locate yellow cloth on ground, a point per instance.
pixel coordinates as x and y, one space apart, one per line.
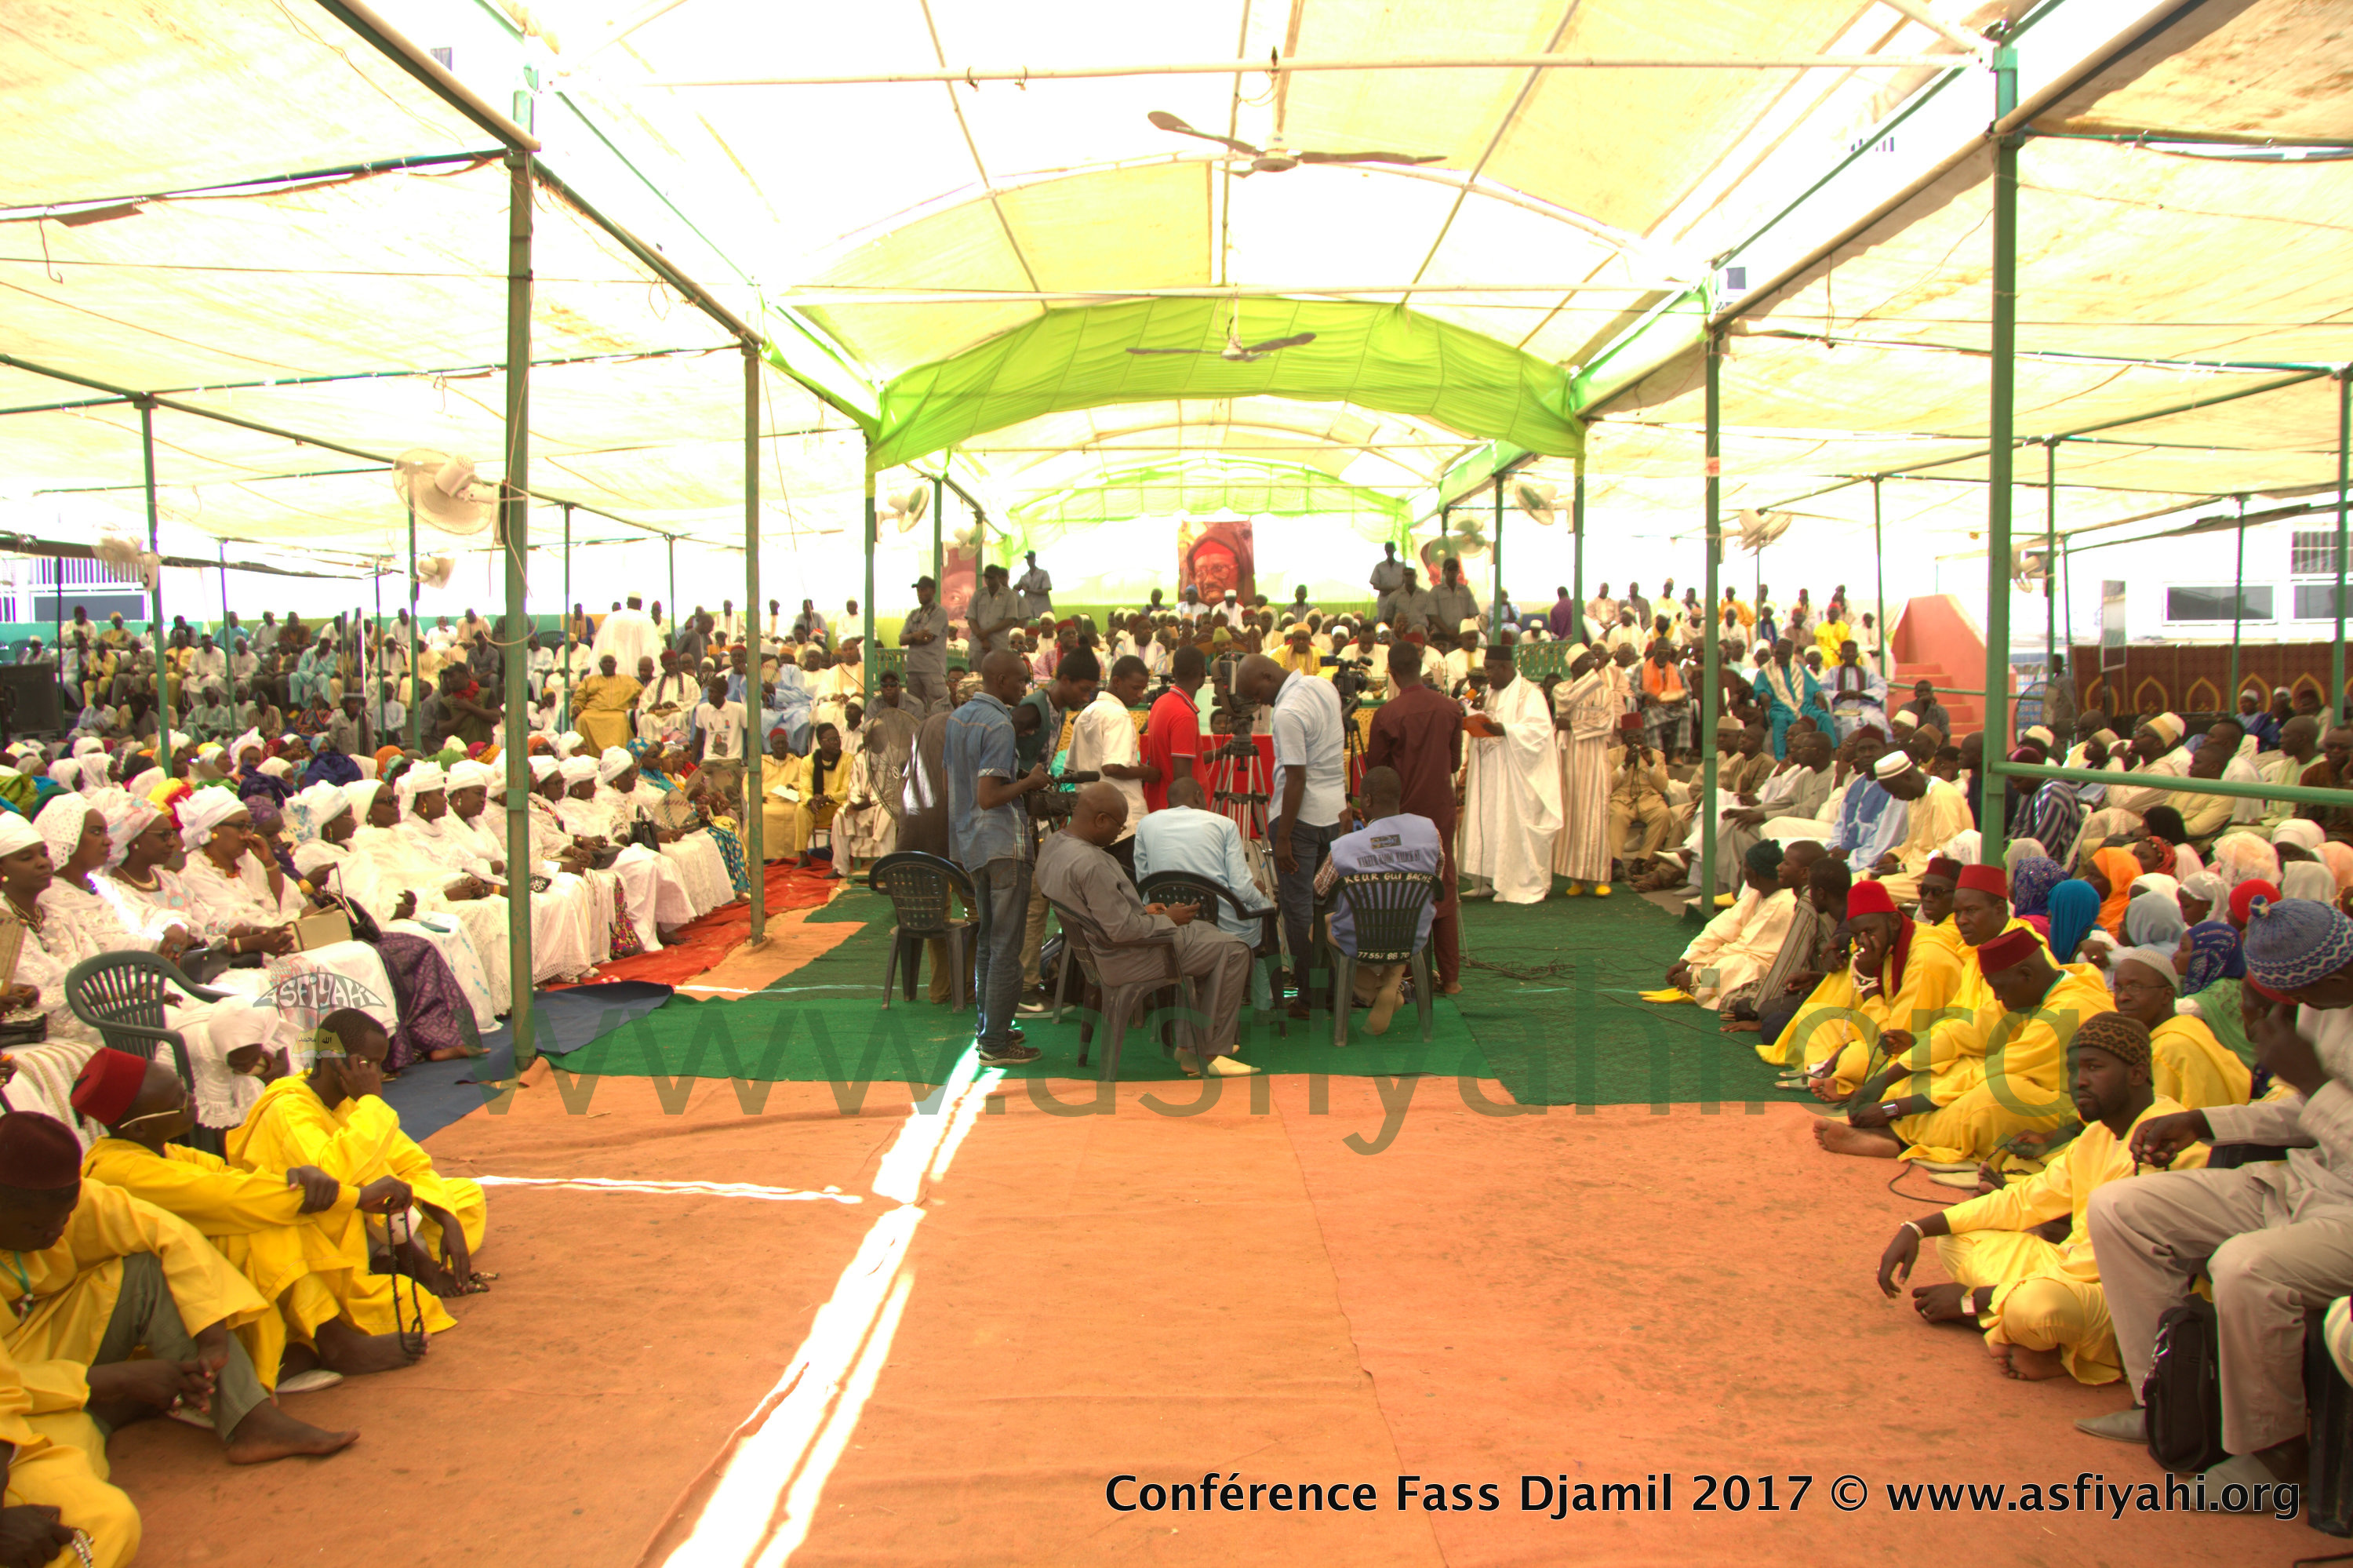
74 1286
2189 1066
61 1462
357 1143
2047 1297
2021 1085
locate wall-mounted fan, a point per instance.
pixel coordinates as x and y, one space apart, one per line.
1536 500
907 508
1276 159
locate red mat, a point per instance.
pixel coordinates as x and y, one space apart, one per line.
704 943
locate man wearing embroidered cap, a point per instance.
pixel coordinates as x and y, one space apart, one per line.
2040 1305
2275 1238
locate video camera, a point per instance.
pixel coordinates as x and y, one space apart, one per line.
1056 803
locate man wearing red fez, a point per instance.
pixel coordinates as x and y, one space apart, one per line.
98 1274
1855 1031
2007 1072
295 1236
1937 885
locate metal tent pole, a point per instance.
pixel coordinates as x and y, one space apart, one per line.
1879 576
224 582
673 579
2344 437
563 633
2050 563
756 859
415 686
939 556
155 614
2000 458
1495 593
1712 650
1577 561
866 648
2238 608
514 526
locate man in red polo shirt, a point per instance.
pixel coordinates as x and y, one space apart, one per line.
1420 733
1172 732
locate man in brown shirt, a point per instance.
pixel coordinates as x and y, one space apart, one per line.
2333 771
1419 734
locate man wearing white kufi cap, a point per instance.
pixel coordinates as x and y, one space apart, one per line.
656 896
1934 812
2157 752
702 869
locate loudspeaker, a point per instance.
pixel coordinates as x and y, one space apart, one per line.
33 700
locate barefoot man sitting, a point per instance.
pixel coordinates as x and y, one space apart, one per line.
333 1116
97 1273
296 1238
2040 1303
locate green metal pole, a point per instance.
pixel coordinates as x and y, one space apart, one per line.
1576 562
1879 576
754 747
866 648
2000 458
155 614
1711 652
514 526
2050 564
2238 608
939 555
1496 594
2344 439
563 626
673 579
415 686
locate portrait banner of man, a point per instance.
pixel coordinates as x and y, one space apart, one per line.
1215 556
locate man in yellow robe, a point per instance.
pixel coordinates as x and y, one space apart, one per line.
602 705
333 1116
2039 1302
297 1238
98 1274
57 1485
2019 1088
1900 981
810 790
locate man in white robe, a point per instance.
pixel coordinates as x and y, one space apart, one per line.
628 635
1739 944
1511 797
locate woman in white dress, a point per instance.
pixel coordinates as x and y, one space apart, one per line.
657 897
700 868
567 917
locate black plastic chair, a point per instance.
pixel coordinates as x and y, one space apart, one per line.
121 995
1210 899
1385 908
1083 940
918 886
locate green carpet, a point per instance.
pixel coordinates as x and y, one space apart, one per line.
1548 1007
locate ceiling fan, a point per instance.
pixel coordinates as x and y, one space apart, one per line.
1236 351
1275 160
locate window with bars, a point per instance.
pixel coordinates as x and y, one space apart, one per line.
2312 553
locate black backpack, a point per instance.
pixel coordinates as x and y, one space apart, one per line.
2183 1395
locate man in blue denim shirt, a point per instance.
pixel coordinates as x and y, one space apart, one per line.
990 837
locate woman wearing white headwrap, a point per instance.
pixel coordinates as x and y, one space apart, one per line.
2308 879
561 916
554 852
2243 857
450 879
1966 846
240 898
700 868
402 893
657 898
2303 833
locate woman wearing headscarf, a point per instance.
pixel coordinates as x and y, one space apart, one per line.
2075 906
2164 824
2339 858
658 902
2308 879
687 849
2153 918
2032 879
611 933
2241 857
2213 974
403 890
2112 873
2304 833
2200 897
2189 1064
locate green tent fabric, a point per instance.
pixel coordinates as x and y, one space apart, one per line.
1247 489
1378 356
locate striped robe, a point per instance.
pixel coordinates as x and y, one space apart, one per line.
1591 703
